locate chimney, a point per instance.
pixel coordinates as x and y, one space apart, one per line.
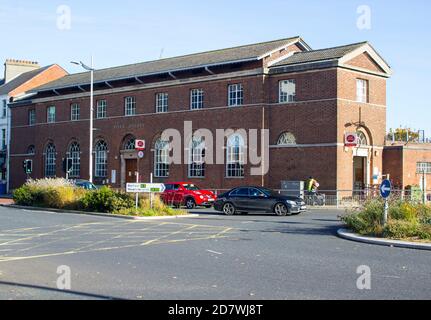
13 68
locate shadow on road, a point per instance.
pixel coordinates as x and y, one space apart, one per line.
319 231
64 292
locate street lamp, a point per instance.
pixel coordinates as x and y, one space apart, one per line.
91 69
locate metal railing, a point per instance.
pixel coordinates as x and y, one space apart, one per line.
350 198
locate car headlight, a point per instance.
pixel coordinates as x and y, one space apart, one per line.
202 197
292 203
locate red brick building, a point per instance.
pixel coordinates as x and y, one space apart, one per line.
308 99
20 76
409 164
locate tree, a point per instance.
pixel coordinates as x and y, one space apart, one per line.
403 134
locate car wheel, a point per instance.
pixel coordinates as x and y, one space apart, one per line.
281 209
190 204
229 209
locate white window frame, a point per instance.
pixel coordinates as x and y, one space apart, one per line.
31 117
235 95
101 159
4 109
75 112
50 160
3 139
196 167
162 102
129 106
129 144
423 166
75 155
285 96
50 116
196 99
101 109
161 159
286 139
235 156
362 90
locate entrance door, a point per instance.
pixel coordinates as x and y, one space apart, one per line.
131 169
359 173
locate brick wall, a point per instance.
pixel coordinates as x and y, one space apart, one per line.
325 104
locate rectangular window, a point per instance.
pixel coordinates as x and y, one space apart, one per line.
287 91
197 160
101 164
3 139
162 102
31 117
4 109
50 114
362 90
235 95
423 167
74 112
101 109
196 99
130 106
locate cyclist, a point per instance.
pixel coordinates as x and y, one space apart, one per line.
312 186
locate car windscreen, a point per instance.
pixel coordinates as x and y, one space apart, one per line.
269 192
190 187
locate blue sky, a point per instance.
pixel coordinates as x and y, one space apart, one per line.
128 31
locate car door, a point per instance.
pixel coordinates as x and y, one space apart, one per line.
239 197
258 200
177 194
166 195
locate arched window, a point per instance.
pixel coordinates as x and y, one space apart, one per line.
31 150
101 169
235 156
286 139
197 158
129 143
362 139
50 156
161 159
75 155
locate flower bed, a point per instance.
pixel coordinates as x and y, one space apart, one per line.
406 220
62 194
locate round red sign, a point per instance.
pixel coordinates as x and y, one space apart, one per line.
351 138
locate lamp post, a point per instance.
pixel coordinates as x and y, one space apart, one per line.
91 69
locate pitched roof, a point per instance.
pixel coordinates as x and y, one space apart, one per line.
21 79
319 55
197 60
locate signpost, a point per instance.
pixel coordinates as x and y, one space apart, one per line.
385 192
145 187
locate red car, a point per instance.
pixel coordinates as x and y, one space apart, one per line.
187 194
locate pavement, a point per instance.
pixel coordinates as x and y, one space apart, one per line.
210 257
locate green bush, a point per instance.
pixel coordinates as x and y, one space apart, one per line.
405 220
159 208
404 211
59 198
106 200
61 194
368 220
24 196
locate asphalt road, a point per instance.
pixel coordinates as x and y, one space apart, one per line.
210 257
